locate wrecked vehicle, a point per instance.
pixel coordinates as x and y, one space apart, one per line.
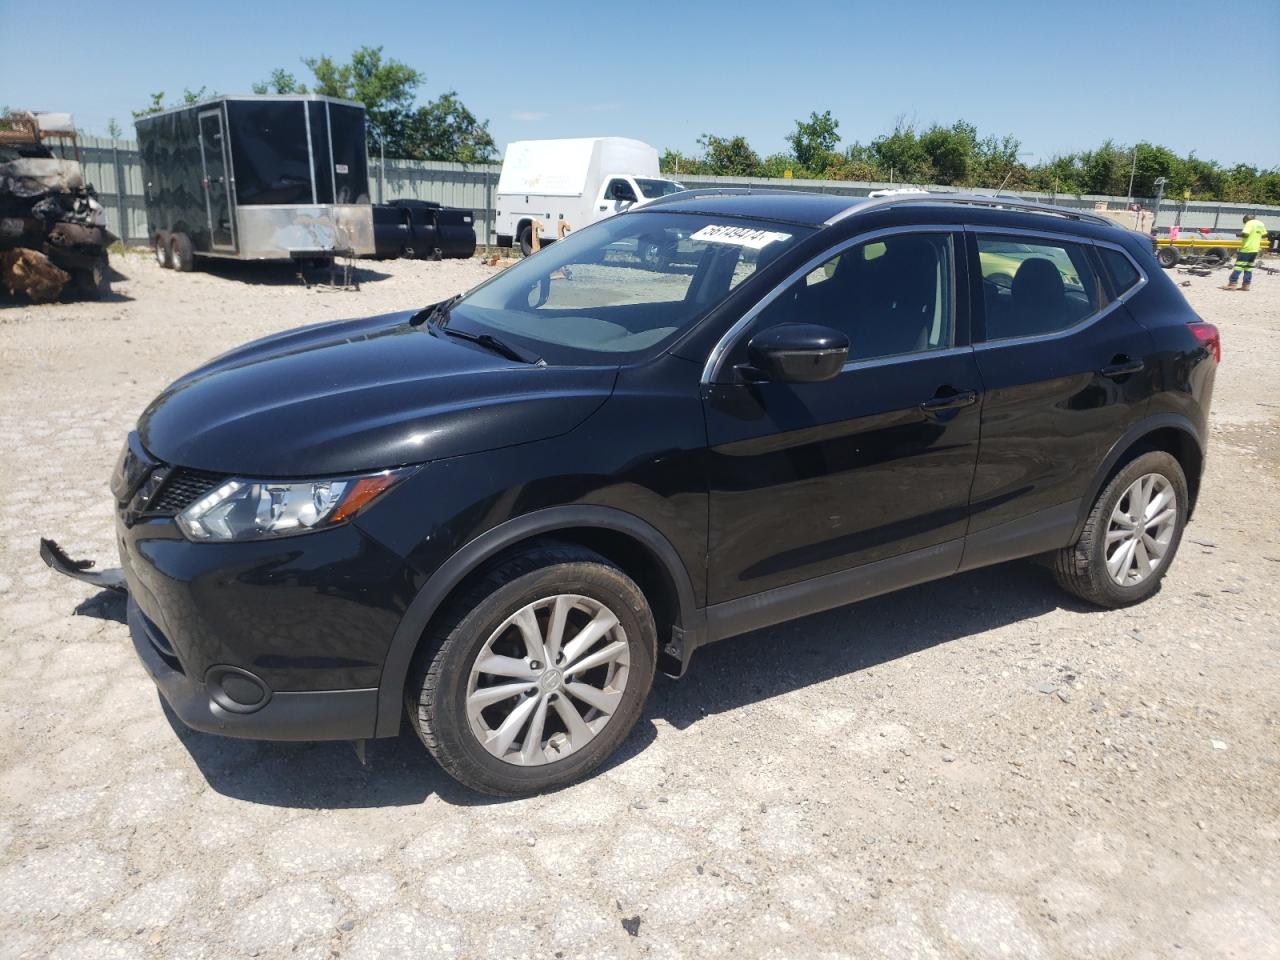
257 178
53 230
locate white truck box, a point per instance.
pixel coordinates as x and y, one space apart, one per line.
567 184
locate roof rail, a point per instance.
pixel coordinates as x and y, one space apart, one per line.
975 200
714 192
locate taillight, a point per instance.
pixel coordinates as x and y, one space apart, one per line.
1209 338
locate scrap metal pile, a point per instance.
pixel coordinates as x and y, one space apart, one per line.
53 234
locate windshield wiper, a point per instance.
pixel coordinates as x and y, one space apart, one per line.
490 342
437 312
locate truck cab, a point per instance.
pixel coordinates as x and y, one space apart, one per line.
622 191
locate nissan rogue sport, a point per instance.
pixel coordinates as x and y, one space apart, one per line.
497 516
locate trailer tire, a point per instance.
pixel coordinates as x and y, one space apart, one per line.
1216 256
526 241
161 247
1169 257
182 253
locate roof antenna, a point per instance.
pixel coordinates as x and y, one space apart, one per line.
1003 182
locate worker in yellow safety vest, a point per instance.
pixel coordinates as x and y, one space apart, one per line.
1250 246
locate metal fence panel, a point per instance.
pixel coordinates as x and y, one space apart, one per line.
108 165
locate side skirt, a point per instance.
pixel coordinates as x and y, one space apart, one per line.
1041 532
759 610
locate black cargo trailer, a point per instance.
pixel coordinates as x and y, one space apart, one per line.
257 178
423 228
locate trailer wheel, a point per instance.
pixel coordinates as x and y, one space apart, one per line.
182 254
161 247
1216 256
526 241
1169 257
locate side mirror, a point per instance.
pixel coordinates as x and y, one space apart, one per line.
797 353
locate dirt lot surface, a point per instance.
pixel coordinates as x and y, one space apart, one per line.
977 768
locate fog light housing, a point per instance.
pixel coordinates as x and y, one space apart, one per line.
236 690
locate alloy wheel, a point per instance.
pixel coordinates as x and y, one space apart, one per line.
1141 529
548 680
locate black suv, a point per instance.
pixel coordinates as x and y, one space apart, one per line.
499 515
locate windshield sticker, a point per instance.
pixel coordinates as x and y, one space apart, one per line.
739 236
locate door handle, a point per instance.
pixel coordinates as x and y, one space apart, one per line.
1122 366
960 398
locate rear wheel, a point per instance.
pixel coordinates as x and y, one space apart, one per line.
181 253
525 239
160 244
535 676
1169 257
1131 535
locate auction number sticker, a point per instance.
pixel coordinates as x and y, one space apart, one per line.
738 236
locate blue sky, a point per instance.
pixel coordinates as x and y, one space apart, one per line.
1061 76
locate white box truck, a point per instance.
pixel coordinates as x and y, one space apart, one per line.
567 184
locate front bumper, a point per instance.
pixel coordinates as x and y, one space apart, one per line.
298 715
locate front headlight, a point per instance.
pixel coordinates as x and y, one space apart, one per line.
241 509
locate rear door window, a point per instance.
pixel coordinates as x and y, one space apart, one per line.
1032 287
1120 269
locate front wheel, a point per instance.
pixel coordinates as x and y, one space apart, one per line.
535 676
1169 257
1131 535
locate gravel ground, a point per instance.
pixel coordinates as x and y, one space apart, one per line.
976 768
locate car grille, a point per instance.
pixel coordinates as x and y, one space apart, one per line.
182 488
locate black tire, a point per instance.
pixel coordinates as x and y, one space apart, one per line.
1082 567
525 239
92 283
1169 257
654 255
182 253
436 695
1216 256
160 246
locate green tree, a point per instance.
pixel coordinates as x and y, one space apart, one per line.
280 81
813 140
113 129
729 156
443 129
676 163
949 151
157 103
900 156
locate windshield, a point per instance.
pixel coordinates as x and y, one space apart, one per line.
653 189
623 286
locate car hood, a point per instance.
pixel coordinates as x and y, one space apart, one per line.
361 395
